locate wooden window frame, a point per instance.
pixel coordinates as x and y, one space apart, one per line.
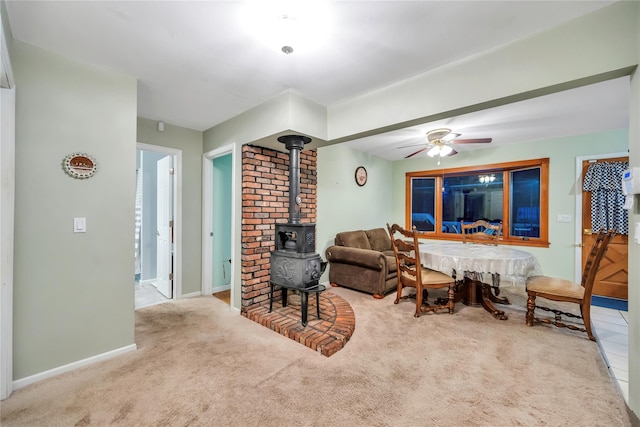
505 168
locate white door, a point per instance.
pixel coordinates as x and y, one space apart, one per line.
164 232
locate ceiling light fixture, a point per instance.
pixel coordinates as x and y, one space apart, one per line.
439 150
486 179
288 26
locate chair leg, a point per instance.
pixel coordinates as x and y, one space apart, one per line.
586 317
531 306
399 293
451 303
425 296
418 301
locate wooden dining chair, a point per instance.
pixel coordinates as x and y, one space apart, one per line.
562 290
412 274
481 231
485 233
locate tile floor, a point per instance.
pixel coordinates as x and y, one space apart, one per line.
147 294
611 330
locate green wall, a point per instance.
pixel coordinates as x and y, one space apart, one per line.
73 293
222 186
190 142
558 259
342 204
634 246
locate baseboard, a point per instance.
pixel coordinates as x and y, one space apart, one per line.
635 421
23 382
191 295
148 281
217 289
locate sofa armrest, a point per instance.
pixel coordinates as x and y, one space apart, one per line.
362 257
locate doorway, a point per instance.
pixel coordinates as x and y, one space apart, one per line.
611 282
218 223
156 227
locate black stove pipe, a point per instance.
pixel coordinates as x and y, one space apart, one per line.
294 143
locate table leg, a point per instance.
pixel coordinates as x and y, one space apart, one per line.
486 303
304 300
479 294
472 292
495 279
498 300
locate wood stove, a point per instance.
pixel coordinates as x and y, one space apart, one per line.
294 263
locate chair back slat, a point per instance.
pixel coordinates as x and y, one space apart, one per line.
405 247
480 232
592 264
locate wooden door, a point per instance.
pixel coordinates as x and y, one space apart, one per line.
612 277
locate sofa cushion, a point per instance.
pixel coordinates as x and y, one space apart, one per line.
353 239
391 264
379 239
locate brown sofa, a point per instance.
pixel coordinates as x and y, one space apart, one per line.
363 260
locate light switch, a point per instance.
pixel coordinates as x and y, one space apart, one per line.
563 218
79 225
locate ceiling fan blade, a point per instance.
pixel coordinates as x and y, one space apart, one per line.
413 145
416 152
472 141
453 152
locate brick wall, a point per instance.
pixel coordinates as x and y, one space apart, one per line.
265 202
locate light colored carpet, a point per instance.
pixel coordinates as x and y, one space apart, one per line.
200 364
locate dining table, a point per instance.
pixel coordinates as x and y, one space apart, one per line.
473 265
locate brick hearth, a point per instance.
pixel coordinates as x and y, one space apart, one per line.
265 202
326 335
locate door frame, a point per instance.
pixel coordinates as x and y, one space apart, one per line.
177 211
578 210
7 215
207 217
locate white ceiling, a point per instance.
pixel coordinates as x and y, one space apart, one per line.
197 66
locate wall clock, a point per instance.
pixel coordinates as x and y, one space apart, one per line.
80 165
361 176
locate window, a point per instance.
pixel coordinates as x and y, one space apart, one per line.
514 194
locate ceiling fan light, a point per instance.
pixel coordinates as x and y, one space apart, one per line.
449 137
433 151
445 150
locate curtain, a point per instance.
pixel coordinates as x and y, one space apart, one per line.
604 181
138 220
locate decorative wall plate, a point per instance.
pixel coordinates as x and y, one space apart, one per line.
80 165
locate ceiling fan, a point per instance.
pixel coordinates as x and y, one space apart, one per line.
439 143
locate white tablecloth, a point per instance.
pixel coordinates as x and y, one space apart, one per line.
512 264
